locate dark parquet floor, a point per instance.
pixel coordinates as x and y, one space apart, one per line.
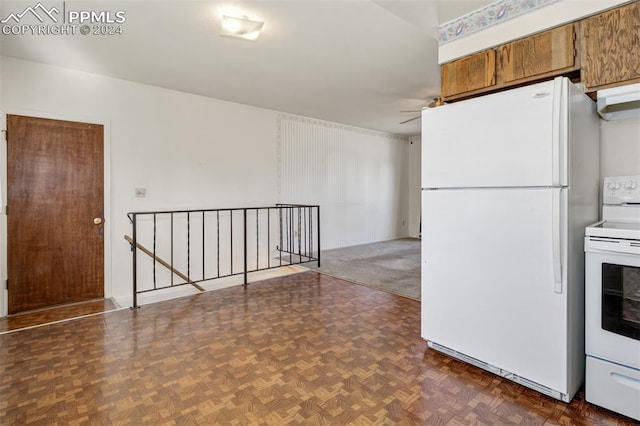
58 313
305 348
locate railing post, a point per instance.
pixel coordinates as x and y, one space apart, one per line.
245 245
299 235
135 261
318 236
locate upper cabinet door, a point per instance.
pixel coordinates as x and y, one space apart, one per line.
552 51
469 74
611 48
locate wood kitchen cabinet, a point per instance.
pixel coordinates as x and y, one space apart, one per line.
611 48
469 74
549 53
601 51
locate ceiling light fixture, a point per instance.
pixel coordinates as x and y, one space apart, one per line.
242 27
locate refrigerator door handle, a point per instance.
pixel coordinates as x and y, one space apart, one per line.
556 238
558 121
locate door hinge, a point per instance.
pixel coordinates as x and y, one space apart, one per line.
7 282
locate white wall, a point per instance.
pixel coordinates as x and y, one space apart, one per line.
3 216
415 184
555 14
358 177
188 151
619 148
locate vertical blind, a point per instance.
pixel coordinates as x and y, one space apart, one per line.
358 177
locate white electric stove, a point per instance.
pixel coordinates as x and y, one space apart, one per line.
612 300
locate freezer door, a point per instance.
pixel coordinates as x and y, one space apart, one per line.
489 278
513 138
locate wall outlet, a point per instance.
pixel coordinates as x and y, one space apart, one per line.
141 192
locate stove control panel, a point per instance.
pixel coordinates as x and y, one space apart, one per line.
621 190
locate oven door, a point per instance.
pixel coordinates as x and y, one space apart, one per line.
612 311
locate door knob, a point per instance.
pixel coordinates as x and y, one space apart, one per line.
97 221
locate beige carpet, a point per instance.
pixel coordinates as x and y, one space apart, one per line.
392 266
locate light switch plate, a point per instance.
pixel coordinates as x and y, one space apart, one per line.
141 192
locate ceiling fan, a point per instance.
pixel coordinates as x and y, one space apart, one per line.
436 102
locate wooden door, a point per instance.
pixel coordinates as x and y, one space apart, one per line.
55 188
611 48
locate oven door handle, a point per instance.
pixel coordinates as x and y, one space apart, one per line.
557 220
630 382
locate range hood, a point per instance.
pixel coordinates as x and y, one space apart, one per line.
619 102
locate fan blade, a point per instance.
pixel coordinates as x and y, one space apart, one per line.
411 119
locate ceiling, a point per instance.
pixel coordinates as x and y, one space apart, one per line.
356 62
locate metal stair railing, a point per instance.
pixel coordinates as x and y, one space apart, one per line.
196 246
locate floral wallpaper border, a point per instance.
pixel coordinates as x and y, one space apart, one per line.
490 15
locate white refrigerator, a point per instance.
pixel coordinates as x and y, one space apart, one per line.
510 180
